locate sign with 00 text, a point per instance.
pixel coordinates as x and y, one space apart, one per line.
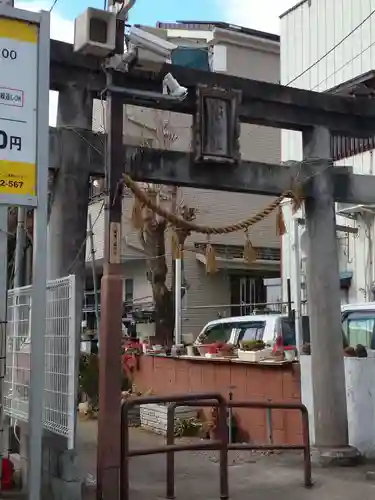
18 107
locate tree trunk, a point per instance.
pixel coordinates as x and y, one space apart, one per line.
153 240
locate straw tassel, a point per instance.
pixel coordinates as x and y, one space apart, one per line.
249 252
137 214
211 263
176 247
297 198
280 228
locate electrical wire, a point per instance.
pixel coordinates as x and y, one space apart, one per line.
332 49
344 65
53 5
85 239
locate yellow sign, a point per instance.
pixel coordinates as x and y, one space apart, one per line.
18 30
18 109
17 178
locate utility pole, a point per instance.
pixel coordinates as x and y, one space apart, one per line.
177 281
95 284
110 332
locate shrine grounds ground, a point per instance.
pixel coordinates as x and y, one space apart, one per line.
252 476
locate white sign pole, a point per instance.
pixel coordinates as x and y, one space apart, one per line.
38 310
24 110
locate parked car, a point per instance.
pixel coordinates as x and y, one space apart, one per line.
266 327
358 324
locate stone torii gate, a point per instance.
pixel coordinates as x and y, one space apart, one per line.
77 152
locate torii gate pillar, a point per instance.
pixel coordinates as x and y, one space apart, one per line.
323 278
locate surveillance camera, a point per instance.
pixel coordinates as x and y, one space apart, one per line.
122 62
173 88
155 44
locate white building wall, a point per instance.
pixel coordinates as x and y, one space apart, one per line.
308 33
360 399
137 271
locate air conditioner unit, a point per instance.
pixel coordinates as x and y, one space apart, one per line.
95 32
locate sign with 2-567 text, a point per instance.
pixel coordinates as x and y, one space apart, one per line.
18 107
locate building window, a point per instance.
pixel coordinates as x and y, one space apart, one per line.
129 291
196 58
247 294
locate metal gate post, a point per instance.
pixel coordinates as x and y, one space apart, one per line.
170 493
213 399
223 450
124 464
223 437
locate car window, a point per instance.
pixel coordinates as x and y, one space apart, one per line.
216 333
288 327
252 330
359 328
288 332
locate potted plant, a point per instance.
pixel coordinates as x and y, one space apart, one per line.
278 355
349 352
253 350
131 350
225 350
290 354
190 350
213 350
89 384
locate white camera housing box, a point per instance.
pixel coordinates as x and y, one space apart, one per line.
95 32
145 40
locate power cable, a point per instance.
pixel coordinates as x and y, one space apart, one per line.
344 65
332 49
85 239
53 5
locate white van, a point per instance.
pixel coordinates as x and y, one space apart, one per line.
358 324
267 327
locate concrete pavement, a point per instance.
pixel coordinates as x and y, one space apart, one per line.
252 476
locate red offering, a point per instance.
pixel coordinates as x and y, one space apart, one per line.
7 474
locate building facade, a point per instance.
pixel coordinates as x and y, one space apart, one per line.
236 51
329 46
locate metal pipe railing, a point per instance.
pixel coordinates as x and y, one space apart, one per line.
269 406
206 400
214 399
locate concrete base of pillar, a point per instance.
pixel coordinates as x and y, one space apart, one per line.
66 490
62 478
347 456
